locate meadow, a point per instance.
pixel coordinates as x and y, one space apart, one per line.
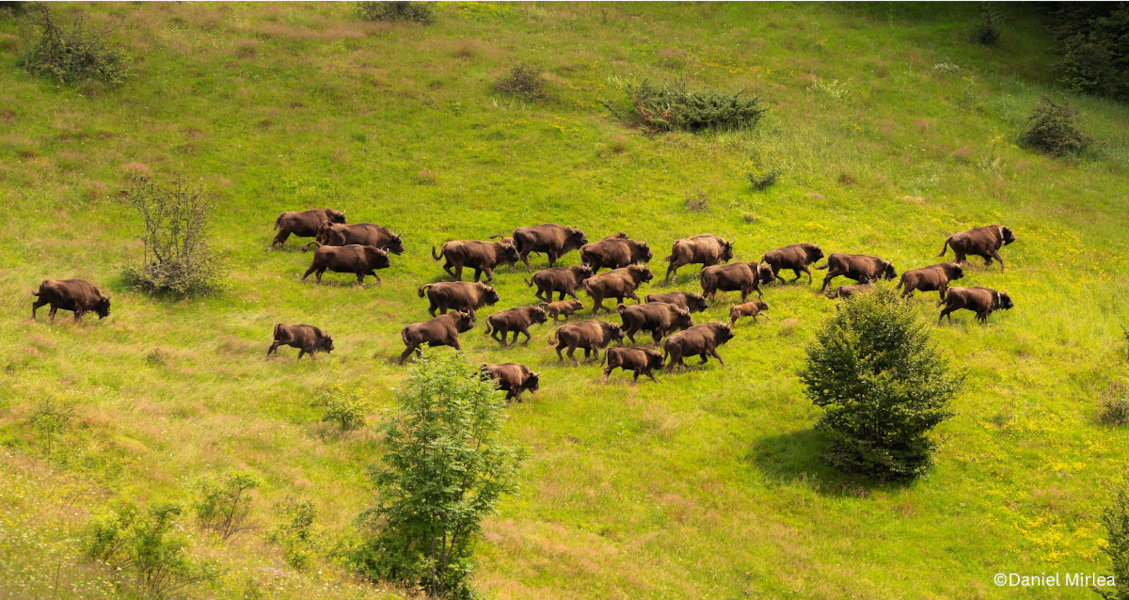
893 131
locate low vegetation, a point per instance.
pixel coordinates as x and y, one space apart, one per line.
672 106
74 55
1052 130
1095 57
1115 518
224 505
411 12
763 181
522 80
348 408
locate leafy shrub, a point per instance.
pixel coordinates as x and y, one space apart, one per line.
834 89
1095 57
883 387
141 545
987 30
1115 411
670 107
74 56
764 180
412 12
295 531
523 80
347 408
177 259
225 505
1052 130
49 419
445 465
1115 517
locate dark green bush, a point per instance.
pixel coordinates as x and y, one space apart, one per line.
765 180
1115 411
1052 130
412 12
987 30
1095 52
883 387
1115 517
671 106
522 80
74 56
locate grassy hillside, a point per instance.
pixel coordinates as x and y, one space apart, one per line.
707 485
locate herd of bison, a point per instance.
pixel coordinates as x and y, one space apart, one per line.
362 249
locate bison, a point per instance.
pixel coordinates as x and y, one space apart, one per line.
306 338
795 258
303 224
354 258
76 295
659 318
551 239
934 278
562 308
615 252
618 284
744 277
700 339
860 267
688 300
749 309
640 360
705 249
443 330
984 242
513 378
458 295
563 280
516 320
366 234
590 335
846 291
982 301
483 257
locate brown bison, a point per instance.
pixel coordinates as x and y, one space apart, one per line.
458 295
982 301
615 252
688 300
564 308
354 258
618 284
934 278
700 339
705 249
846 291
795 258
365 234
306 338
513 378
551 239
443 330
984 242
516 320
659 318
563 280
752 309
590 335
76 295
860 267
744 277
303 224
483 257
640 360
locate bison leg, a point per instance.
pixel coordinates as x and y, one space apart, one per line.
797 272
827 280
945 312
431 309
302 351
273 348
495 333
280 239
528 337
319 274
944 288
675 360
489 275
597 305
54 309
35 305
960 257
561 296
672 270
713 353
559 347
407 352
996 255
571 349
308 271
607 371
552 259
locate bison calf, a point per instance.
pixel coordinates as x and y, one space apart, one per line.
640 360
982 301
513 378
846 291
701 339
618 284
749 309
516 320
76 295
934 278
563 280
590 335
306 338
564 308
687 300
443 330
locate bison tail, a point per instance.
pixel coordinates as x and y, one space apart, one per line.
821 268
945 248
622 308
604 359
434 255
277 328
669 258
529 283
553 338
278 220
306 248
422 290
486 330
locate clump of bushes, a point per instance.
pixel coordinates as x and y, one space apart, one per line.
1115 517
346 407
412 12
987 30
673 106
883 387
177 258
50 419
76 55
763 181
225 505
295 531
1115 411
1095 57
1052 130
523 80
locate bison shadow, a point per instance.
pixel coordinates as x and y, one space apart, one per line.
796 458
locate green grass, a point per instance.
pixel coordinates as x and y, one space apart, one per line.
707 485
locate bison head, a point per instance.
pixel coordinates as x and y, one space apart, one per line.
761 305
575 305
507 253
537 315
815 253
764 273
888 271
724 333
582 272
726 251
615 334
490 295
696 302
324 343
376 258
682 319
576 237
102 307
642 253
1007 235
464 321
334 216
1005 301
954 270
643 272
654 359
395 245
532 383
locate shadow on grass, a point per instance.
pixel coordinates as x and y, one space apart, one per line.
796 458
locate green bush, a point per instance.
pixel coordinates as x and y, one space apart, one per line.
523 80
413 12
141 547
295 531
347 408
177 260
1115 411
225 505
987 30
74 56
765 180
1095 56
1115 517
50 419
672 106
883 387
1052 130
446 463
